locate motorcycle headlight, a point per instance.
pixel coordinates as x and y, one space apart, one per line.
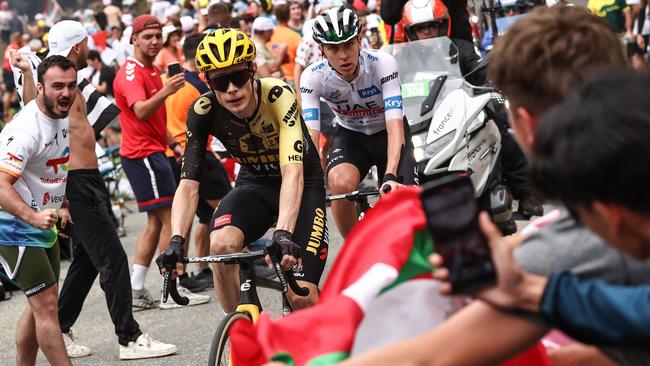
437 145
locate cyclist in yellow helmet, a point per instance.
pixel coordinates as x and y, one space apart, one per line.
259 122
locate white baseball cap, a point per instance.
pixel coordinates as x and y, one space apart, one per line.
64 35
187 23
262 24
167 30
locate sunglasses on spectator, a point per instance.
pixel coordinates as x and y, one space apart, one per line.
237 78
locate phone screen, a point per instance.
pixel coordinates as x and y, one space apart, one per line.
452 215
173 69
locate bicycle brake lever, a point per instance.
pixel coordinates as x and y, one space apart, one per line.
169 288
286 277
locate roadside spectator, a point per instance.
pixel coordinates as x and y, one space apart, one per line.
102 76
5 21
113 13
616 12
283 35
171 52
10 87
218 16
296 16
268 64
140 94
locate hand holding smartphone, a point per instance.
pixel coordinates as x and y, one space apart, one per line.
452 217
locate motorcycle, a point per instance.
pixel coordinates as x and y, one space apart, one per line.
451 125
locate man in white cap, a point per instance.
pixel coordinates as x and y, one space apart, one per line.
98 249
267 64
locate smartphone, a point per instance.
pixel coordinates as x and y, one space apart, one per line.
173 69
452 218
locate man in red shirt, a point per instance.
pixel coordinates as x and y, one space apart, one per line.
140 94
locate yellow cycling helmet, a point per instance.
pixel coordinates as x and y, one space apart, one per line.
223 48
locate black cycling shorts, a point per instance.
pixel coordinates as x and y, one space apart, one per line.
363 151
253 208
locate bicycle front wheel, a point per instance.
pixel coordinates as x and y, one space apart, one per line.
220 348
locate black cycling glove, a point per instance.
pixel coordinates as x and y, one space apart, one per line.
173 254
287 246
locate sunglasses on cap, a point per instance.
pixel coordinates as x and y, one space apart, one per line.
237 78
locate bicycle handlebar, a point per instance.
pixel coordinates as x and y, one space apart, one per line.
285 277
354 195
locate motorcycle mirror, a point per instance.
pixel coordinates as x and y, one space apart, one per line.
430 100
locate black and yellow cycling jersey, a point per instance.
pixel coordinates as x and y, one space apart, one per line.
274 136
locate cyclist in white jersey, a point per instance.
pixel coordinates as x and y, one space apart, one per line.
362 87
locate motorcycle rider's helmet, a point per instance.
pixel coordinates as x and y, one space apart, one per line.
425 13
336 26
223 48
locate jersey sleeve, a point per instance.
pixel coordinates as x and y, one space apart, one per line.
286 112
15 151
310 95
197 133
390 87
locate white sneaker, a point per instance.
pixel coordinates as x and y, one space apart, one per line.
195 299
143 300
145 347
75 350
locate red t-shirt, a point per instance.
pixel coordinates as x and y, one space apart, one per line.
135 82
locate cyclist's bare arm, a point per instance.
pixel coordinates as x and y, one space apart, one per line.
466 338
290 196
395 132
184 206
291 156
187 194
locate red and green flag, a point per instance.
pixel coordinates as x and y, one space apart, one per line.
380 275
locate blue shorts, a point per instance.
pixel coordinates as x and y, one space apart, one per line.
152 181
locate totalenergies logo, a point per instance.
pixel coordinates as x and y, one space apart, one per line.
61 161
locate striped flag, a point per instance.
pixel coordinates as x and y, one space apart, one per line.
101 111
381 277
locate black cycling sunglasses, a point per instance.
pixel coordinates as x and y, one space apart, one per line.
237 78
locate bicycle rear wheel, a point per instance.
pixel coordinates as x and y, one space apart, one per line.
220 348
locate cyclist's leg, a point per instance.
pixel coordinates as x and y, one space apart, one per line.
312 236
346 162
242 217
213 187
407 169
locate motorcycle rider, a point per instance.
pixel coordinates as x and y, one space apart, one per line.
425 19
362 88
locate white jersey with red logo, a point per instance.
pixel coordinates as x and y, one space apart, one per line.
34 149
363 104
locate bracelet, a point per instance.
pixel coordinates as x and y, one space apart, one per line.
65 204
388 177
174 144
